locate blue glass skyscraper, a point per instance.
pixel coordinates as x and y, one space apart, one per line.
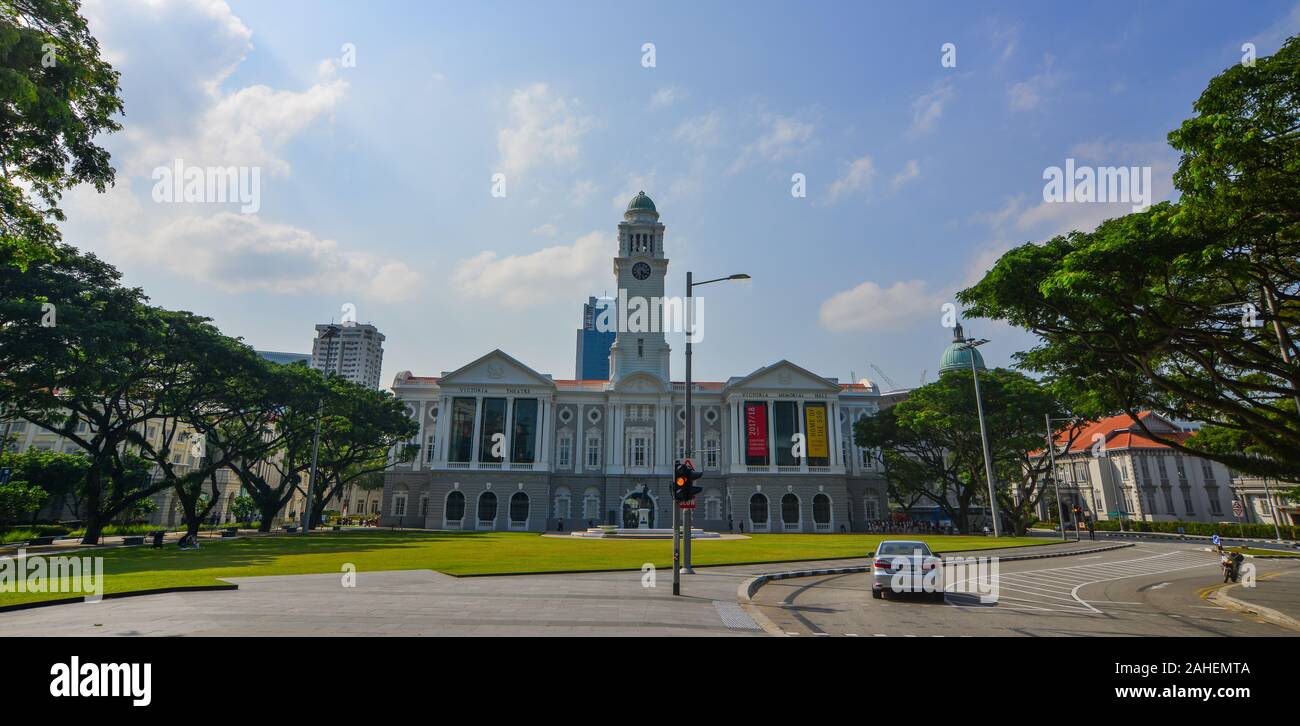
592 361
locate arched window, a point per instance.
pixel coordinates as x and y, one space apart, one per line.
591 504
455 510
562 499
790 509
758 509
822 512
519 510
487 508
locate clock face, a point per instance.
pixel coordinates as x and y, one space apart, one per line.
640 270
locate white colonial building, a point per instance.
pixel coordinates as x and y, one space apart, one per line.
504 447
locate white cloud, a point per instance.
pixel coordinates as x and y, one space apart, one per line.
910 172
699 131
928 107
248 127
666 96
543 127
239 253
545 276
545 230
782 137
872 308
1048 219
856 178
204 123
1045 220
1027 95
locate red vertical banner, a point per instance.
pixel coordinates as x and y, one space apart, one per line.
756 429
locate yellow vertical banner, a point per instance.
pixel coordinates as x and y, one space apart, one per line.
815 425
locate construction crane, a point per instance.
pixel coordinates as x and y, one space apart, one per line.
892 386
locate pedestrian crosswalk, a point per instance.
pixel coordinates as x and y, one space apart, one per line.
1057 588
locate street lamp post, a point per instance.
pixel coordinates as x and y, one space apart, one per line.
1056 485
970 345
688 518
325 337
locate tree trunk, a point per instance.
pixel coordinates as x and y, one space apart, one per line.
94 479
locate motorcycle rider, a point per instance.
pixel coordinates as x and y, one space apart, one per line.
1231 564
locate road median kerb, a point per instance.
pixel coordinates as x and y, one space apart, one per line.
118 596
745 592
1275 617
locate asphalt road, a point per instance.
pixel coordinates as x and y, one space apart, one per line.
1151 589
1227 539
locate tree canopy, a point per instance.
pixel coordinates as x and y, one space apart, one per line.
1190 307
57 95
931 449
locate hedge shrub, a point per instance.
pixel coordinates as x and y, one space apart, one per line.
1226 529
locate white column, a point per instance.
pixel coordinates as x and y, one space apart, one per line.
615 462
802 427
478 425
668 439
580 442
419 455
698 434
508 430
735 412
833 411
443 429
543 448
771 433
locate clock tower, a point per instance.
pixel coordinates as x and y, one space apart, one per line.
639 344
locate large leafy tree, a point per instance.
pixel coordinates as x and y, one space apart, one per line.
210 408
105 368
57 475
930 444
360 429
272 436
57 95
1190 308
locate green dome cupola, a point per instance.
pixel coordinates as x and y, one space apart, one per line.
957 358
641 203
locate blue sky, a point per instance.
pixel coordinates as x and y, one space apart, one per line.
376 177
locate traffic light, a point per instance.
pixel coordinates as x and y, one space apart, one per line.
684 476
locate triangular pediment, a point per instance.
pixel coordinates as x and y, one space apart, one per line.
783 375
496 368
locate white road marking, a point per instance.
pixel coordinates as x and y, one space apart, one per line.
1160 586
1057 588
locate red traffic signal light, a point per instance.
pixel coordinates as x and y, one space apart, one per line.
684 477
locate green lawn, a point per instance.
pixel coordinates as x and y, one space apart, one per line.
462 553
1259 551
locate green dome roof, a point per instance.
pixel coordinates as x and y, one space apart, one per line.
956 358
642 202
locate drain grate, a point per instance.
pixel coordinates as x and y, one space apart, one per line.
733 616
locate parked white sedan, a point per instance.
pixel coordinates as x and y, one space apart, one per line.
906 566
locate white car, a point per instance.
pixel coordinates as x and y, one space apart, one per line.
906 566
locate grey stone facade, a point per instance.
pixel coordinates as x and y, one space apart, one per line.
775 446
